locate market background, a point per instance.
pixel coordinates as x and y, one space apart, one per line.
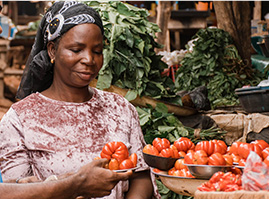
166 64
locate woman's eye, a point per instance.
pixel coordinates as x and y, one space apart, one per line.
98 52
75 50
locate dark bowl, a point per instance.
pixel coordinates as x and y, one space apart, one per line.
206 171
159 162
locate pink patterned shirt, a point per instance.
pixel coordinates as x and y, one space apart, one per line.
41 136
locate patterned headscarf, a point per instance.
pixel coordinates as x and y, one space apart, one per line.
59 18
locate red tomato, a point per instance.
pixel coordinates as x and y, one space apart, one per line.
242 162
126 164
197 157
168 153
133 158
236 158
265 152
149 149
261 143
184 144
266 161
113 164
181 154
228 159
171 171
220 146
216 159
161 143
207 146
117 150
179 164
175 151
233 149
245 148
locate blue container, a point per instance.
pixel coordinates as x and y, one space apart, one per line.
1 180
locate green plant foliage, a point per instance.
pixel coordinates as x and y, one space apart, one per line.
159 123
215 63
130 61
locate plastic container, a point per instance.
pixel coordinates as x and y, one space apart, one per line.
254 99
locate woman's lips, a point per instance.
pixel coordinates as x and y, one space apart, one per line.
84 76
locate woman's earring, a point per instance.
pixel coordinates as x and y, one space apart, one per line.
52 61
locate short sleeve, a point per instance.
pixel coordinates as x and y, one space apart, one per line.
14 161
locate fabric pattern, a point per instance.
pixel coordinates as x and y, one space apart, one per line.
40 136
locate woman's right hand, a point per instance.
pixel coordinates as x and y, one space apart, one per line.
95 181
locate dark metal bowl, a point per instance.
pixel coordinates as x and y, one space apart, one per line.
159 162
206 171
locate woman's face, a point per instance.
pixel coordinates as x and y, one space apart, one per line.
78 57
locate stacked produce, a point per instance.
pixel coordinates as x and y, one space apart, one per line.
118 155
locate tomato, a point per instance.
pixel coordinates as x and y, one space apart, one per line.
197 157
245 148
233 149
266 160
207 146
242 162
126 164
161 143
175 151
168 153
133 158
184 144
236 158
186 173
228 159
216 177
265 152
181 154
179 164
261 143
171 171
220 146
113 164
156 170
117 150
216 159
149 149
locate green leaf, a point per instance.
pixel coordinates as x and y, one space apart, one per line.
131 95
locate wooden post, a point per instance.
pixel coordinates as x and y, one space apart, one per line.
235 18
163 17
257 10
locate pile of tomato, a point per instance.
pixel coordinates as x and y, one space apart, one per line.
118 155
212 152
221 181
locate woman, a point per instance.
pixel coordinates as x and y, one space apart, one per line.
61 123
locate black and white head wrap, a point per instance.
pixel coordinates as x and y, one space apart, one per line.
59 18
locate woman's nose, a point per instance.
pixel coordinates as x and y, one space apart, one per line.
88 59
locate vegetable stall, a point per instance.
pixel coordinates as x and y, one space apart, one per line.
133 69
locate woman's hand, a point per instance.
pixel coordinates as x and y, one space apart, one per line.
95 181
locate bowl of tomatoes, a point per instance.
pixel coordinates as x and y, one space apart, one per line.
159 162
206 171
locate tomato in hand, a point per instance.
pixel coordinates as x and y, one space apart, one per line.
133 158
117 150
161 143
216 159
113 164
126 164
149 149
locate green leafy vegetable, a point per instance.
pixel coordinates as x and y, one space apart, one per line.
130 61
216 64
